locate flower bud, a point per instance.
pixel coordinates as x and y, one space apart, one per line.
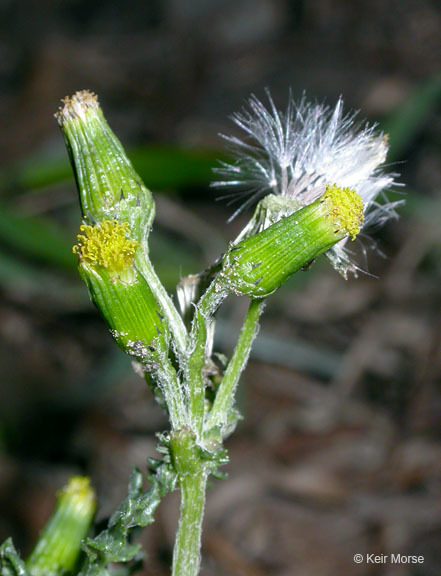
59 544
107 183
106 254
260 264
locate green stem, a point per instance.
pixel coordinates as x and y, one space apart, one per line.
227 389
195 376
174 320
174 397
195 358
187 554
211 299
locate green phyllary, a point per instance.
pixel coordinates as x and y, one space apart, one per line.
106 255
108 185
59 545
261 263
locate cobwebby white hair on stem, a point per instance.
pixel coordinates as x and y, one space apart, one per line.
295 154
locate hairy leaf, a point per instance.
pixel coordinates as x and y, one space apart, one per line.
10 562
137 510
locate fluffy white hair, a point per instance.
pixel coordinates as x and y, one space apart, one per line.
297 153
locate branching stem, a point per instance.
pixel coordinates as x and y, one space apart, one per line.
226 393
174 320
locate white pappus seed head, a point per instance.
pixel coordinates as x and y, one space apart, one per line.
295 154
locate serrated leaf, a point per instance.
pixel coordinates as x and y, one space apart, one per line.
111 545
137 510
10 562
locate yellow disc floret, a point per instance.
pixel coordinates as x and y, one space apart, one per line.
345 208
107 245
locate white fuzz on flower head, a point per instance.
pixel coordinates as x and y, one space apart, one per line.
295 154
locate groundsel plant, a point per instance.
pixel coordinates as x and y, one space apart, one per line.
317 179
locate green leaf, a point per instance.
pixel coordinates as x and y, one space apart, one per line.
407 121
165 167
37 238
137 510
10 562
161 167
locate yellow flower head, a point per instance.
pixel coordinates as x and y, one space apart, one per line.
345 207
106 245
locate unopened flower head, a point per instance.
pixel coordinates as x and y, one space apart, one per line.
295 155
108 185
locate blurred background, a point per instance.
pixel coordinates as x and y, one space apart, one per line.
339 449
